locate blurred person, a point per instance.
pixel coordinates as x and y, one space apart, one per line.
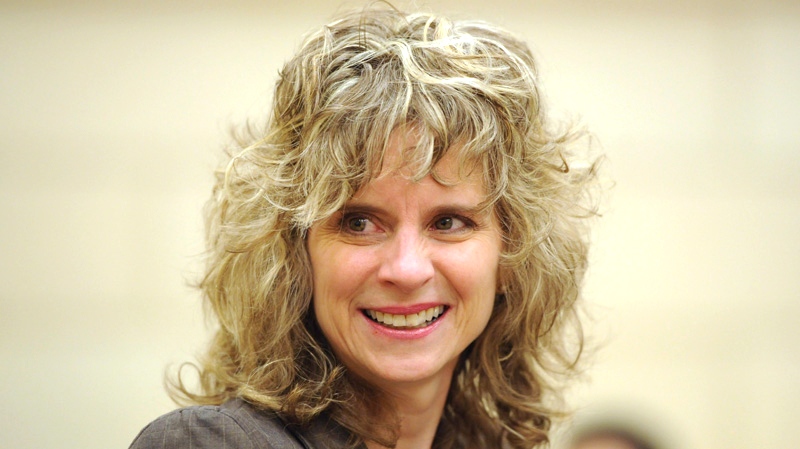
614 427
395 260
612 438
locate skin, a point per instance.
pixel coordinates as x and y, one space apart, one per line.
399 246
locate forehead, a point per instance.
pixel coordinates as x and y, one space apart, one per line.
406 156
405 178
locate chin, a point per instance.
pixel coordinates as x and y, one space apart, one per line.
411 371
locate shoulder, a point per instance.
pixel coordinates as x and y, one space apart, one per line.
233 425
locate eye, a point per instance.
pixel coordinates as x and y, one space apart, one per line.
356 224
450 223
443 224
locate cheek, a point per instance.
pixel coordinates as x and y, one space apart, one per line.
474 276
478 270
338 272
327 305
326 290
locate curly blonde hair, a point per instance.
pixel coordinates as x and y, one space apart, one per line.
336 103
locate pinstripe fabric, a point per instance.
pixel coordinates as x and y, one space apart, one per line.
235 425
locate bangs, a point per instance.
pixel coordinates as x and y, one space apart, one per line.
374 98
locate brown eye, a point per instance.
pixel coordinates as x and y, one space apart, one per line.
357 224
444 224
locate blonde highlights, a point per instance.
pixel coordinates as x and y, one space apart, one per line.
468 85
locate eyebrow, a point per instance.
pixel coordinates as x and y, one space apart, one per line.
443 209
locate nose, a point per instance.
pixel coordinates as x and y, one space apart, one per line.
406 263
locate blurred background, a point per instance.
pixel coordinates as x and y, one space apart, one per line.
113 115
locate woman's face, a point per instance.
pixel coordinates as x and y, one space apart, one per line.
406 275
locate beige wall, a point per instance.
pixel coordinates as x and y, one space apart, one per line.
112 116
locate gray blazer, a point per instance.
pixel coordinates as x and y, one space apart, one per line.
237 425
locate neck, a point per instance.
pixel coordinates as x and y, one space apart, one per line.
420 406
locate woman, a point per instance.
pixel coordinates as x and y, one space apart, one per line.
393 262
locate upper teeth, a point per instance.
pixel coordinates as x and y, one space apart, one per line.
412 320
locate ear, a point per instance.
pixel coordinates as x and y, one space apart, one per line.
502 277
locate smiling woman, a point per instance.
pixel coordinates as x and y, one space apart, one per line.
395 260
396 290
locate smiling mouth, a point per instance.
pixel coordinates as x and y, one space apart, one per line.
411 321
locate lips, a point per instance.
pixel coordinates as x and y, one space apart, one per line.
416 320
